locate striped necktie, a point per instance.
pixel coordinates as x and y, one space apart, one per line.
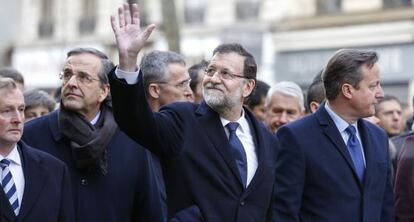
8 185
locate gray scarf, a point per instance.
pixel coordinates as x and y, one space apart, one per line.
88 142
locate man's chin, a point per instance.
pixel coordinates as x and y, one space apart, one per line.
71 105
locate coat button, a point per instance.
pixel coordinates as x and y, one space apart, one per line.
84 182
242 203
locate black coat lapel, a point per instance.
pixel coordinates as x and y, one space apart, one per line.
34 177
260 143
332 132
211 123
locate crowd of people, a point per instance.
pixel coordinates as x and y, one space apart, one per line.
160 141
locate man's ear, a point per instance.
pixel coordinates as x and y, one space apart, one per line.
104 92
313 106
347 90
154 90
249 87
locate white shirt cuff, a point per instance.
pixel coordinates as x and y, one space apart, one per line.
130 77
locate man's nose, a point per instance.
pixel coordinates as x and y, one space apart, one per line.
283 118
17 117
188 94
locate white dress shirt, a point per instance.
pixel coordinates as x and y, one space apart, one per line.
16 170
244 134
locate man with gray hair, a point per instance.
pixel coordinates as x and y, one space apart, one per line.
111 175
284 103
165 78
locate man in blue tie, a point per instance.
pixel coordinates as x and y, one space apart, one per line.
218 160
35 185
333 165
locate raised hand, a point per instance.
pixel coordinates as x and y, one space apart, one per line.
130 39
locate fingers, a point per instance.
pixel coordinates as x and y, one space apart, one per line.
113 24
127 14
121 17
135 14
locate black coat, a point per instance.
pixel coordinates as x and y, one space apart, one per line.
47 194
128 192
200 173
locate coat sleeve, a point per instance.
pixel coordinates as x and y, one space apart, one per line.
135 117
290 177
404 183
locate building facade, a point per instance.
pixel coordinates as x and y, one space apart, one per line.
291 40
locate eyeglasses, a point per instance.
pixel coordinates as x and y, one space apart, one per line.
223 74
81 77
181 85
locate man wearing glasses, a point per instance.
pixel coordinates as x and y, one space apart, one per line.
112 179
165 78
218 160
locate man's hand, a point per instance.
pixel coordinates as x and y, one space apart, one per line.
130 39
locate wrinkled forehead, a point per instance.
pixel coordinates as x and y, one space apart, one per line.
11 97
229 60
83 62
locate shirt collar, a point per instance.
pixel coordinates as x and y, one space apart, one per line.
242 121
94 120
340 123
13 156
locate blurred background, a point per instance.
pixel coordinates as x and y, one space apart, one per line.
290 39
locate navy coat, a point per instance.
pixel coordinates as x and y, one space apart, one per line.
316 179
200 173
128 192
47 194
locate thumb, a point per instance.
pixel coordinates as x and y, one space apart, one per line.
147 32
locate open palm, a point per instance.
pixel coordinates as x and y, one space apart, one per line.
129 37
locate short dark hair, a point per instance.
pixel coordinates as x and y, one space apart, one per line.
12 73
34 98
258 94
193 71
107 64
385 99
316 91
249 66
345 67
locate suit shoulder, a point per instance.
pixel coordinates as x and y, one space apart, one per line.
374 128
180 106
304 123
40 122
42 156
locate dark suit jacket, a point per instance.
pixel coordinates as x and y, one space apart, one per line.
198 168
404 183
47 194
316 179
128 192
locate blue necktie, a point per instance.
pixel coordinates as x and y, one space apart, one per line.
8 185
238 151
355 149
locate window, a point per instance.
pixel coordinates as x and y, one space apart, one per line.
87 21
247 9
328 6
46 26
396 3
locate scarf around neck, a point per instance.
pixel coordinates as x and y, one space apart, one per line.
88 142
